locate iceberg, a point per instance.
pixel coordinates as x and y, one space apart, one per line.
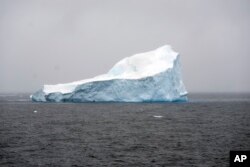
153 76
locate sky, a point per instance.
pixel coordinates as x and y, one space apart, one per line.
59 41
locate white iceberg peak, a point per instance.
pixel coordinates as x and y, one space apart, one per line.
134 67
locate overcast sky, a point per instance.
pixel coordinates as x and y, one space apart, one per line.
58 41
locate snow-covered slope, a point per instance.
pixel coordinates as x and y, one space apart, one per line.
150 76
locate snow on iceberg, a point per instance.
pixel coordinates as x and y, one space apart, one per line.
145 77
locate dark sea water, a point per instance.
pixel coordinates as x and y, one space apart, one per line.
200 132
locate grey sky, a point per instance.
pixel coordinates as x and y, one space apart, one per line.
57 41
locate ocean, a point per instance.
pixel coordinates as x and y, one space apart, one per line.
200 132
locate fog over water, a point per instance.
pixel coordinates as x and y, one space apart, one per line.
49 42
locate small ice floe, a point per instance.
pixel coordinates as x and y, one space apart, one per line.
157 116
35 111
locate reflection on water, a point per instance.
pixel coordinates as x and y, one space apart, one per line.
192 97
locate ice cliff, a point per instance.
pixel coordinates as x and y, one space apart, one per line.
145 77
